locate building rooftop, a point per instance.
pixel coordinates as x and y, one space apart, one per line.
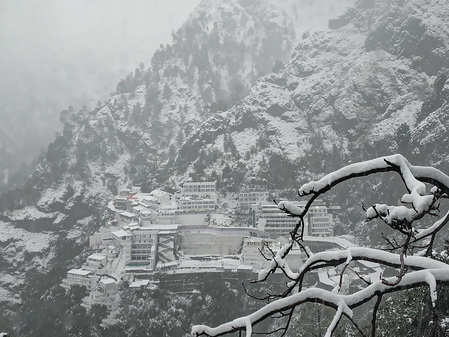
162 227
121 233
139 283
107 280
187 183
128 214
97 257
80 272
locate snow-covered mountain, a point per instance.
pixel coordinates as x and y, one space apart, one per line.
343 94
241 95
134 136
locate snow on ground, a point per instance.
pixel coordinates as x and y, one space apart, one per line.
22 239
8 296
21 250
244 140
29 213
287 134
407 114
218 144
51 195
61 217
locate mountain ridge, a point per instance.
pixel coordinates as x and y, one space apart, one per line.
339 96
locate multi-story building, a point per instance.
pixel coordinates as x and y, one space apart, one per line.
96 262
125 218
274 221
320 222
250 198
79 277
199 189
121 203
143 247
189 205
104 292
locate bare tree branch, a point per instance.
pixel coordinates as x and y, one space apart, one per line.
413 270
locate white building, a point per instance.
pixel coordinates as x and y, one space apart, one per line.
104 292
275 221
189 205
125 217
250 198
100 239
78 277
144 247
321 222
121 203
199 189
95 262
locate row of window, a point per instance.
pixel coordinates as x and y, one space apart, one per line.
291 225
189 189
141 257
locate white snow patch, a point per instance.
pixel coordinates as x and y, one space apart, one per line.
244 140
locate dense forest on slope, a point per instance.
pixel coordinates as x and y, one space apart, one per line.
240 98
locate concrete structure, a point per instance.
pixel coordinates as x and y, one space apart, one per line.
252 251
192 205
78 277
121 203
142 247
95 262
199 189
166 246
320 221
104 292
249 198
187 266
125 217
192 219
274 221
100 239
210 240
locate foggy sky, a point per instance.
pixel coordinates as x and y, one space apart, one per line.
56 53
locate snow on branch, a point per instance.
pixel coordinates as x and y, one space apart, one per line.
337 257
344 303
278 261
414 270
412 175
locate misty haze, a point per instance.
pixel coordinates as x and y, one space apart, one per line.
224 168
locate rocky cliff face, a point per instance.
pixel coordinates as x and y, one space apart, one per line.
239 97
343 93
134 136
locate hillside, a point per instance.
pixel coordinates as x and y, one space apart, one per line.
238 96
132 137
342 96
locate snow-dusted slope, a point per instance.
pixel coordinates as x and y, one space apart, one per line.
131 138
340 95
211 106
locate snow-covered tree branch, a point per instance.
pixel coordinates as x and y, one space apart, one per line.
412 270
